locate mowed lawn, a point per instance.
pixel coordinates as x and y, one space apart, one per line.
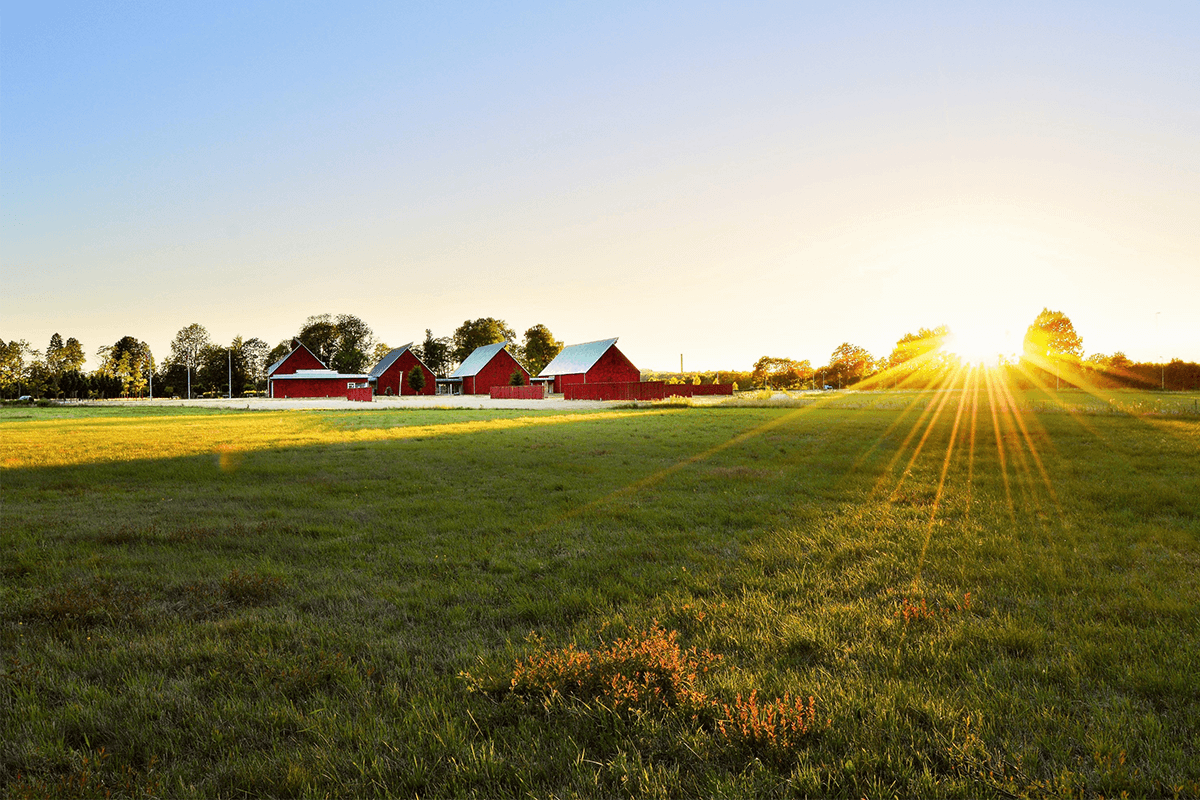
979 601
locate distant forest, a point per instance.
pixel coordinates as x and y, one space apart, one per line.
1053 355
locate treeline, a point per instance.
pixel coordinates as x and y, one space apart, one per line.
1052 354
196 366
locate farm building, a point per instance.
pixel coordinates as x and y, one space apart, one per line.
488 366
590 362
301 374
391 375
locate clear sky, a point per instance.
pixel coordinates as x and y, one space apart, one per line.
724 181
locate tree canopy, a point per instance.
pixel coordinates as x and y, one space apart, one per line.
539 348
435 353
477 333
1053 336
343 342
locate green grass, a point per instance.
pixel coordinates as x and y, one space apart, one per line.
189 609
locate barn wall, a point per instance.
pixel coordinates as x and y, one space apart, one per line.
395 377
310 387
612 367
496 372
298 360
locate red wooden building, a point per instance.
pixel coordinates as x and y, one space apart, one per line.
590 362
301 374
390 375
490 365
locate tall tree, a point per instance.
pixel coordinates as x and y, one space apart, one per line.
130 361
1052 336
186 349
435 352
254 351
343 342
477 333
850 363
539 348
16 358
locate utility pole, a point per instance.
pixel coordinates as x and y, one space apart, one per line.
1161 365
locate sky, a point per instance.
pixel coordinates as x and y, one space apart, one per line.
720 181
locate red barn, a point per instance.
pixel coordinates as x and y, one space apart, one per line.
490 365
590 362
390 375
301 374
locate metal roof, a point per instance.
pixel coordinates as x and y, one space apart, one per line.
478 359
577 358
388 360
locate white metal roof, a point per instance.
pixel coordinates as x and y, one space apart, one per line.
388 360
478 359
577 358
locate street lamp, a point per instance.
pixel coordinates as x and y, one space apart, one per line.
1162 367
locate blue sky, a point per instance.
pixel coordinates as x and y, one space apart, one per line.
723 181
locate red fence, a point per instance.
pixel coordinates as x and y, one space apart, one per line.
533 392
359 394
643 390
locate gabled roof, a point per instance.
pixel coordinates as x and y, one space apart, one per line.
296 345
386 362
478 359
577 358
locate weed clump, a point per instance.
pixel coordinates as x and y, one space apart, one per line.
649 671
917 612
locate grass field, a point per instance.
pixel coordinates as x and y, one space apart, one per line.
980 600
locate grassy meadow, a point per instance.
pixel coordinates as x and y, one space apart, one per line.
893 594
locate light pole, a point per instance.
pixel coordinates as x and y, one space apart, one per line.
1162 367
229 352
150 360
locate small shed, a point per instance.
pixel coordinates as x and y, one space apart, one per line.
590 362
390 375
488 366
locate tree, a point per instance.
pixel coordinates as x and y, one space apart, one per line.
539 349
379 353
517 378
477 333
16 358
130 361
435 353
850 363
341 342
921 346
186 348
781 373
416 379
1052 336
64 356
255 352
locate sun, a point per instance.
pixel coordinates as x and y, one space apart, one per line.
980 344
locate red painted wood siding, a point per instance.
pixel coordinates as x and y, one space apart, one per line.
612 367
496 372
299 359
395 377
534 392
310 387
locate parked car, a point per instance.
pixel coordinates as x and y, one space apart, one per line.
25 398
